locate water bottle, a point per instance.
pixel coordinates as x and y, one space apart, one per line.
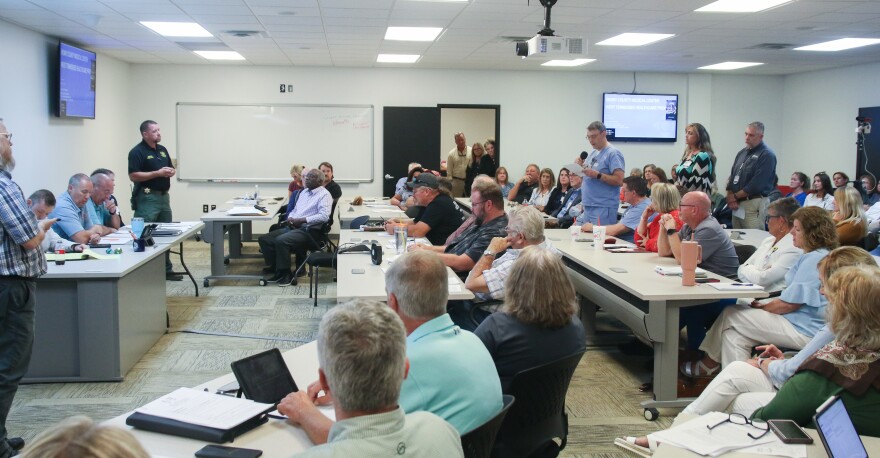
59 253
256 191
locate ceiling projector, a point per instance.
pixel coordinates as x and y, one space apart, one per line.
546 44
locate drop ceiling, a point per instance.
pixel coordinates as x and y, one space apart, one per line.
477 34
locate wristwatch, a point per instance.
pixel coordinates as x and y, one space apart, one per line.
598 176
489 253
671 231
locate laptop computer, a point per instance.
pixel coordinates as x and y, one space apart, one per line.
264 377
837 431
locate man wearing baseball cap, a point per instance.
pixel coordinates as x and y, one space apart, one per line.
437 218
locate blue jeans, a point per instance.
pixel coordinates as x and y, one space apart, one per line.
16 342
698 319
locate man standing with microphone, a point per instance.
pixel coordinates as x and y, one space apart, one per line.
603 176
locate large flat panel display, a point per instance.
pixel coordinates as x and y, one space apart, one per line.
640 117
76 82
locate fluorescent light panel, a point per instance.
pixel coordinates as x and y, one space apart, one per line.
635 39
412 33
840 45
398 58
220 55
730 65
567 63
740 6
177 29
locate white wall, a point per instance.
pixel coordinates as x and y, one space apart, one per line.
47 149
543 114
820 112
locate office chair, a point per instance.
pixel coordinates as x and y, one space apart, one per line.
538 417
326 258
744 252
479 442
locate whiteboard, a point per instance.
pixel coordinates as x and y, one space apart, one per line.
259 143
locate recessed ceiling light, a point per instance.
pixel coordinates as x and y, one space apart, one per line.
442 1
398 58
177 29
730 65
567 63
840 45
635 39
220 55
412 33
740 6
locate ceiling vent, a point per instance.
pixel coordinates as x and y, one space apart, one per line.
772 46
245 34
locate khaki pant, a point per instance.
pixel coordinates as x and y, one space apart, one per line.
457 187
755 210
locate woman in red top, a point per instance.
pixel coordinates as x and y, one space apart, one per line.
664 199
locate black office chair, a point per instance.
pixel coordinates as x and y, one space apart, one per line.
538 417
479 442
326 257
744 252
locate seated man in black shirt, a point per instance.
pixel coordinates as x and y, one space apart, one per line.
463 252
522 190
331 186
437 219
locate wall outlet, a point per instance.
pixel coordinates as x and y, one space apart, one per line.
205 208
213 207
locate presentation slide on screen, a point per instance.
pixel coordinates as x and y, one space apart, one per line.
641 116
77 82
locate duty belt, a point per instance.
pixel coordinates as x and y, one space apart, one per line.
148 191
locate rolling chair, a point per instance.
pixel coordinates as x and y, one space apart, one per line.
325 255
538 417
479 442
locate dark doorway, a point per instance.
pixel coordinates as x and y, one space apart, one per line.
410 134
868 160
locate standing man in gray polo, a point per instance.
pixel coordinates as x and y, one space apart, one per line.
751 180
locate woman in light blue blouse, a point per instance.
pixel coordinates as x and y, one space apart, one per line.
503 180
789 321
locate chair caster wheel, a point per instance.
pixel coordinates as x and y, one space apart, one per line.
205 283
226 262
651 414
263 282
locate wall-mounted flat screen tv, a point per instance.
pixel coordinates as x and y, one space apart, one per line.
640 117
76 82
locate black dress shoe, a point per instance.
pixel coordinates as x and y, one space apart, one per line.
171 276
278 276
268 270
15 443
286 280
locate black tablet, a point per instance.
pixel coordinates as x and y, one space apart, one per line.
264 377
837 431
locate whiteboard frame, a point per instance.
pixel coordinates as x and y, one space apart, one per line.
276 180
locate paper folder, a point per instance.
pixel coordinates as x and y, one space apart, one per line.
161 425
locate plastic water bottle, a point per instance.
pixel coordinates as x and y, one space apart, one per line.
59 251
256 191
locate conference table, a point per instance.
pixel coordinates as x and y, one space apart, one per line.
371 283
627 286
376 208
275 438
217 223
814 450
96 318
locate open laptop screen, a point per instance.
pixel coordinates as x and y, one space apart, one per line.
837 431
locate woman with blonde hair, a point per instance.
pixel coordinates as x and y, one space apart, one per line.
296 171
848 216
80 437
544 193
664 199
849 366
539 322
480 164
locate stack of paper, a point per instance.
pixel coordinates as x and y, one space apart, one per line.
245 211
736 287
676 271
205 409
694 435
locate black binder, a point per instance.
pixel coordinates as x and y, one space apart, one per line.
191 431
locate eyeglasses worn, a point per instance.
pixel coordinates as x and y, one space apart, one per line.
740 419
7 134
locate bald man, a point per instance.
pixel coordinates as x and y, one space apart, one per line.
719 255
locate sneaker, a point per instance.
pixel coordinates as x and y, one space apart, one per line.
171 276
287 280
15 443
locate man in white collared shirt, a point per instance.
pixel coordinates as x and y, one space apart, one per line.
304 223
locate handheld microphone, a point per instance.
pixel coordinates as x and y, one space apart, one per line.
584 155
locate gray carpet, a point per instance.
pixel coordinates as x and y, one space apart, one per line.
602 400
